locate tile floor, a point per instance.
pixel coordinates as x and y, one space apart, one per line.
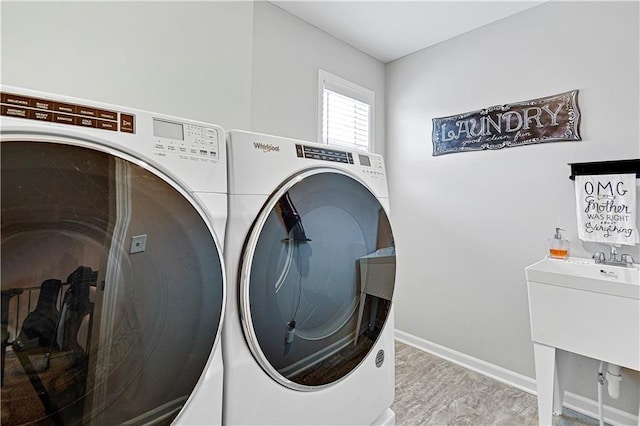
432 391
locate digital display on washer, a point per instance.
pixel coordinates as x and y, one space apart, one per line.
364 160
167 129
334 155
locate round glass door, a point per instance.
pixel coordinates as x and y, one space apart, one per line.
308 309
112 288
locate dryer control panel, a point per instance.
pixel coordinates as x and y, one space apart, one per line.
371 164
326 154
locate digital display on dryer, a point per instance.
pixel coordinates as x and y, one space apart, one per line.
364 160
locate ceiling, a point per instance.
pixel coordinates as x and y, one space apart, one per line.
388 30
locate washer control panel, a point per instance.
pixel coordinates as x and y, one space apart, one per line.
185 139
72 114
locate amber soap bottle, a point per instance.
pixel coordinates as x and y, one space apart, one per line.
558 246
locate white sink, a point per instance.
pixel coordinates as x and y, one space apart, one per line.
585 274
586 308
582 307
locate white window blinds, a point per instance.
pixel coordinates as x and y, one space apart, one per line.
346 118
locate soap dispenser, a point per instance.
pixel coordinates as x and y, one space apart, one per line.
559 247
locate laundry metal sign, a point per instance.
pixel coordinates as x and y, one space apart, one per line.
550 119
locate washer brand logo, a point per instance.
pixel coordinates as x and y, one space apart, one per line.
266 147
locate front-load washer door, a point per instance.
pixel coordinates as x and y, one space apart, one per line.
312 307
112 287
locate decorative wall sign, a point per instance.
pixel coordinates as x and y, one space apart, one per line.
550 119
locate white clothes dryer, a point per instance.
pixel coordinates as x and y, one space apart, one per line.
113 284
309 332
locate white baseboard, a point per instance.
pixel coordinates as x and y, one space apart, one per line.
572 401
589 407
511 378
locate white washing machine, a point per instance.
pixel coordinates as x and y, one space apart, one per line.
113 284
309 332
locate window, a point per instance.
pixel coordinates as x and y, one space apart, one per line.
345 113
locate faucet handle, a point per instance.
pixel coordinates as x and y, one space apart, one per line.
627 259
599 257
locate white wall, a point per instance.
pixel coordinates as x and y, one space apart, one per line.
287 53
467 224
189 59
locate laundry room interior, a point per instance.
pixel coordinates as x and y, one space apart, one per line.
465 225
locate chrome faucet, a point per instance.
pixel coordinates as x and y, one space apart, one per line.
625 260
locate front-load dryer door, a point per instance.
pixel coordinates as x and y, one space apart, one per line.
317 279
112 287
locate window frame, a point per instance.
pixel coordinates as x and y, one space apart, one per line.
352 90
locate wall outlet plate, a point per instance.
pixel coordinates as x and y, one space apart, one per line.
138 244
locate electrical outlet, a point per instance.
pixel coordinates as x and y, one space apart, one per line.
138 244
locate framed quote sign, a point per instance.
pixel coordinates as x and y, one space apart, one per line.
550 119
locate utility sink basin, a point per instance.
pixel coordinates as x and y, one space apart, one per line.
585 274
579 306
586 308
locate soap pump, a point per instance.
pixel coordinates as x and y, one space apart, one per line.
559 247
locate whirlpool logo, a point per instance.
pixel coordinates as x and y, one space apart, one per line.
266 147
